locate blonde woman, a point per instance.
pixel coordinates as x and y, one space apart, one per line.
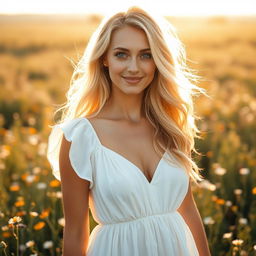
123 144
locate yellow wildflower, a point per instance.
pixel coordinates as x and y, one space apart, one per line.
220 201
44 213
32 130
54 183
21 213
209 154
3 131
19 203
6 234
214 198
234 208
24 176
39 225
15 187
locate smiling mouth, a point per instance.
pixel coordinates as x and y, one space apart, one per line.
132 80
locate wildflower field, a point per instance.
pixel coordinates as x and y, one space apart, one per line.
35 71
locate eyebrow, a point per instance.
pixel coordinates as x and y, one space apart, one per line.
127 50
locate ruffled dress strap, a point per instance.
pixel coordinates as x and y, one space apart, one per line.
83 143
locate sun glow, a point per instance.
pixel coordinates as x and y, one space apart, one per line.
176 8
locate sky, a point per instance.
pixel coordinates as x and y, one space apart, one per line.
105 7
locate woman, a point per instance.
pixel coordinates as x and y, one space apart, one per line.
129 129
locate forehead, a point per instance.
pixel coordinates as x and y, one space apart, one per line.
129 37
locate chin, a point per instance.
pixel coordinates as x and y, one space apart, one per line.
133 91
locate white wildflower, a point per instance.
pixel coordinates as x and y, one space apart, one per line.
61 222
228 203
33 214
59 194
15 220
41 185
227 235
22 247
209 220
48 244
237 242
238 191
30 178
244 171
42 147
36 170
243 221
207 185
30 243
33 139
220 171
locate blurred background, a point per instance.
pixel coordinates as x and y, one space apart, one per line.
39 41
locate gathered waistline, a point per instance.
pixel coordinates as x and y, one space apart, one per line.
137 219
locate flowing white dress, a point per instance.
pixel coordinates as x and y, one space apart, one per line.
135 217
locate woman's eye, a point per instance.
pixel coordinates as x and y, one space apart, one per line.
120 54
124 55
147 55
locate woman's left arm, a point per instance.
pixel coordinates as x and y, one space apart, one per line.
191 215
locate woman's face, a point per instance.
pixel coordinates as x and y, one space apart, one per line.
129 60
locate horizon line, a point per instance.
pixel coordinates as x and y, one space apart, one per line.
102 14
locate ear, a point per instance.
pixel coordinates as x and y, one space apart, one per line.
105 62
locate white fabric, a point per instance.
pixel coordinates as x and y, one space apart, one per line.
136 217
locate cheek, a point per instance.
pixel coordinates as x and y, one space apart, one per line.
116 67
150 68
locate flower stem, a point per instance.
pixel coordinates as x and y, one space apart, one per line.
17 240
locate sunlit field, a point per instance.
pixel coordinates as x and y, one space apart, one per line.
36 55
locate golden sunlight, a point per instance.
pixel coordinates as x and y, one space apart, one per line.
176 8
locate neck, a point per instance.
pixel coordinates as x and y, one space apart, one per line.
125 107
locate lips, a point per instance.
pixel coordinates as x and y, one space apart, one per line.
132 79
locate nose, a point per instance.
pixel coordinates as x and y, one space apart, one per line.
133 66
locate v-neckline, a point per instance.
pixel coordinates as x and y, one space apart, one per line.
124 158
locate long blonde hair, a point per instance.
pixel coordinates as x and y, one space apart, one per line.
167 101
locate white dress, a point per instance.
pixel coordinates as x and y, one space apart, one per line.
135 217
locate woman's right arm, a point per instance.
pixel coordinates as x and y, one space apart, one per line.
75 195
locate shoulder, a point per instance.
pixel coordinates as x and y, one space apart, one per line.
77 131
71 127
75 142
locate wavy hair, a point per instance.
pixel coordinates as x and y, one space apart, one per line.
167 101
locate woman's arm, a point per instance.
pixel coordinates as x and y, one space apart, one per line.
75 194
191 215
